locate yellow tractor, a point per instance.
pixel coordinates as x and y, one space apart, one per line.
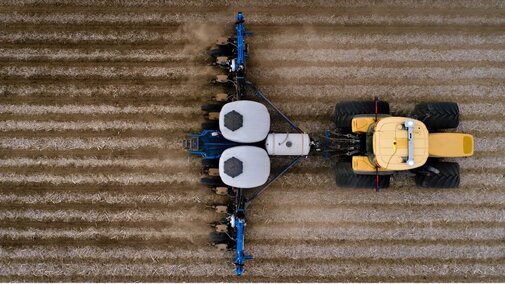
382 144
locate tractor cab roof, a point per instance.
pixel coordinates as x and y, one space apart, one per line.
396 147
244 166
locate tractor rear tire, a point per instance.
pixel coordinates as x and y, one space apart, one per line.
345 111
212 181
212 107
438 115
346 177
210 125
448 176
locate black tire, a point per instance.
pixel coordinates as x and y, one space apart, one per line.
210 125
220 238
345 111
220 51
210 163
212 107
438 115
346 177
448 176
212 181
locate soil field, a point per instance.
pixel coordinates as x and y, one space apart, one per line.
96 97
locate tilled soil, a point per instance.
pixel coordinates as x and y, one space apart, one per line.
96 97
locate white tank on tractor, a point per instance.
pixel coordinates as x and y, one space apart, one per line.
288 144
244 121
244 166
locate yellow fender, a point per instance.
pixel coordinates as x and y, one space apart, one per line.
362 165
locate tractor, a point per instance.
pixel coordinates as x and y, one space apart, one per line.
378 145
368 144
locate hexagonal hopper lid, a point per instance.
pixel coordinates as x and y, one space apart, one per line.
233 120
233 167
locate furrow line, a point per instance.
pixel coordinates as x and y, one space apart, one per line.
95 163
107 198
142 55
354 232
170 73
330 196
268 213
369 18
297 252
270 270
308 55
175 232
189 213
32 109
87 144
403 93
260 4
84 37
305 37
96 125
334 214
268 56
122 90
136 179
99 269
396 252
377 72
285 37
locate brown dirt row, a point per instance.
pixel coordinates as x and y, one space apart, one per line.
305 251
113 95
132 38
87 44
252 7
301 54
325 196
261 3
364 232
336 17
313 261
265 269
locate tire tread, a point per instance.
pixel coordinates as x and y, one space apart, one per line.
447 178
346 177
345 111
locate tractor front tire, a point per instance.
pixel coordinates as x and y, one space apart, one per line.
346 177
438 115
448 176
345 111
